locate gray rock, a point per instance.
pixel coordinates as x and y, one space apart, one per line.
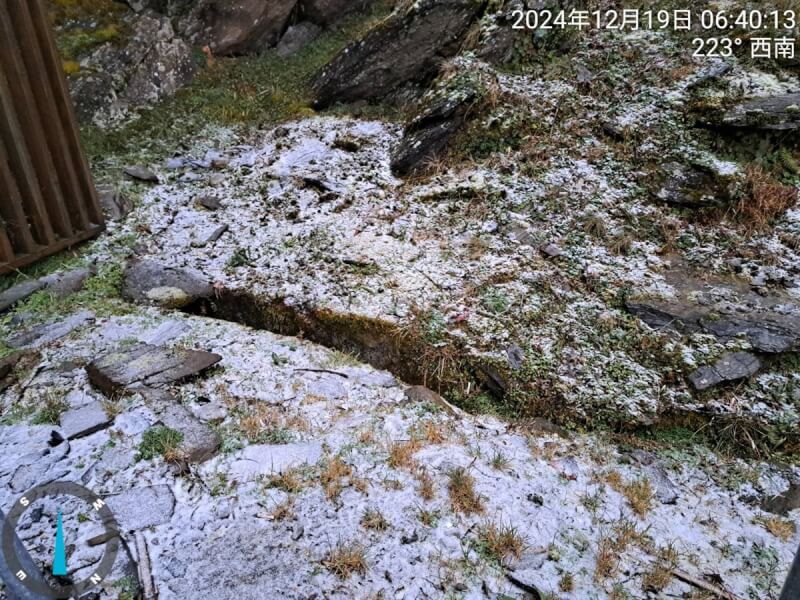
270 459
148 366
769 332
167 65
431 129
326 12
785 502
408 46
551 250
19 292
773 113
665 490
67 282
89 419
200 442
208 202
694 186
730 367
232 28
212 237
114 203
141 174
141 508
298 37
32 454
144 276
41 335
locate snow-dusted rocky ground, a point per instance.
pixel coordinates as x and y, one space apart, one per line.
232 528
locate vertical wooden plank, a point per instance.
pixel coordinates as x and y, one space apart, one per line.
16 223
66 111
48 113
34 139
21 167
6 251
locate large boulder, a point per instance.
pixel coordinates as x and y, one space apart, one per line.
153 64
408 46
441 115
771 113
325 12
242 27
150 282
696 185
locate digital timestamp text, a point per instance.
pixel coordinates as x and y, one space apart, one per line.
767 33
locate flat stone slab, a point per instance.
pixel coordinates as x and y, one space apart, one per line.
785 502
19 292
730 367
271 459
145 281
41 335
777 113
147 365
141 508
768 332
86 420
200 442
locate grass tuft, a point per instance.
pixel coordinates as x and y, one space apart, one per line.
463 497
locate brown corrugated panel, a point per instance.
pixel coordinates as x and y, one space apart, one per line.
47 198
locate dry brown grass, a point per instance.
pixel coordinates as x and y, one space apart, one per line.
427 487
463 497
374 519
433 433
333 477
346 559
501 542
782 529
639 495
606 561
401 454
291 481
661 574
764 200
283 511
566 583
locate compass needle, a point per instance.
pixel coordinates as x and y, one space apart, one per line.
60 554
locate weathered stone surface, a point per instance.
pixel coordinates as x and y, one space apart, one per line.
694 186
152 63
297 37
19 292
167 66
785 502
85 420
200 442
65 283
144 276
419 393
269 459
141 173
41 335
30 452
776 113
141 508
208 202
114 203
406 47
730 367
430 131
148 366
231 28
767 332
326 12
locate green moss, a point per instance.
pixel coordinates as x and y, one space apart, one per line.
159 441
